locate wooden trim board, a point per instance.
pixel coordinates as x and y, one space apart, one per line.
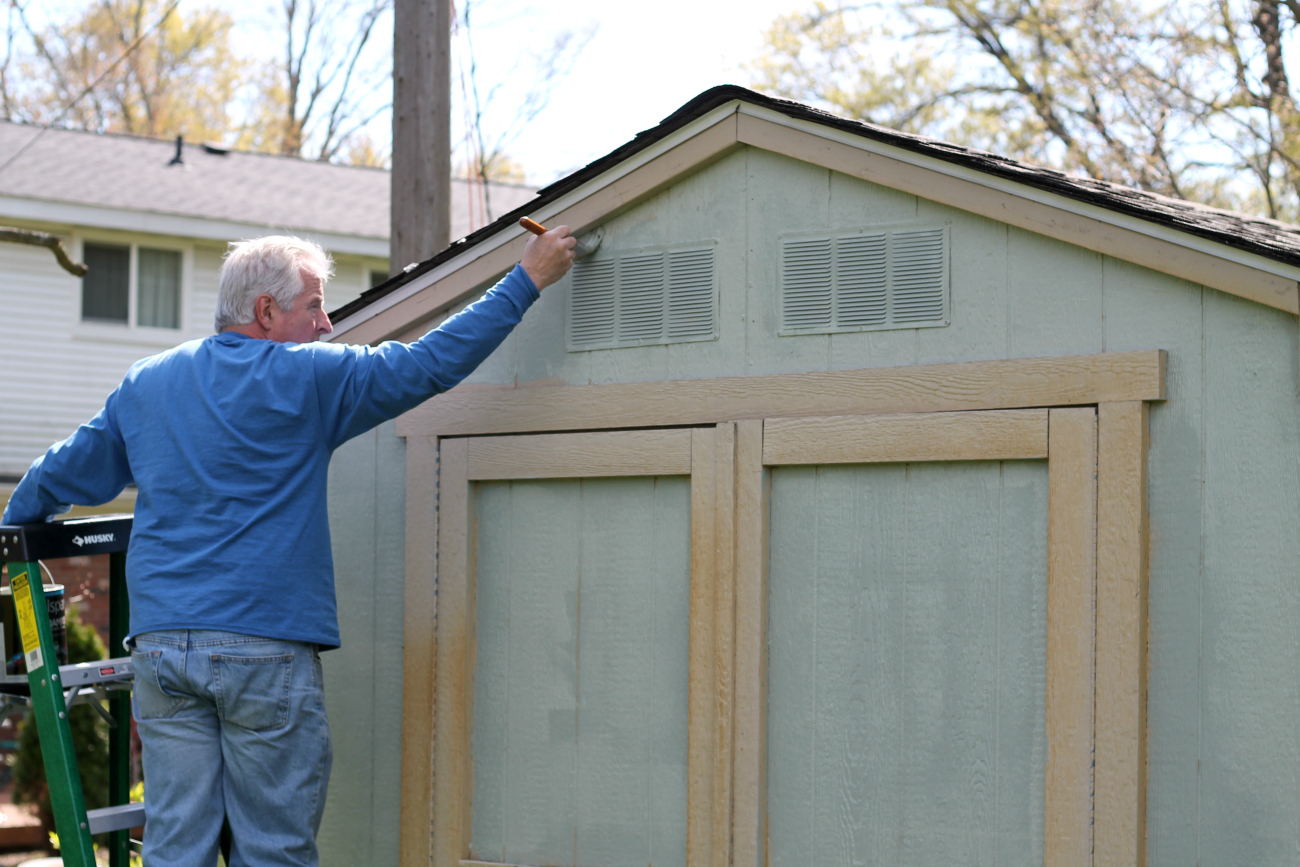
419 613
567 456
1122 575
1096 656
709 459
969 385
607 196
1018 434
753 493
601 203
1044 219
1071 625
454 640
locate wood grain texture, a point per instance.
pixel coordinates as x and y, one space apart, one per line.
1122 568
454 655
971 385
605 199
579 455
1071 624
724 638
419 614
956 436
751 525
1044 219
703 703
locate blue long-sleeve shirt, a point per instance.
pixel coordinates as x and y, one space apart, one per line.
228 440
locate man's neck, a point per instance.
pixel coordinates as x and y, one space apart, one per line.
252 329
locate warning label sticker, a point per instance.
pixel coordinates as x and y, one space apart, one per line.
27 621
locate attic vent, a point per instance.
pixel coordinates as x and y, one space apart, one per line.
873 279
634 298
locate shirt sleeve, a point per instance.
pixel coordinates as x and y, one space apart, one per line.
88 468
360 387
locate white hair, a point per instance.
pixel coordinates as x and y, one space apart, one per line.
266 266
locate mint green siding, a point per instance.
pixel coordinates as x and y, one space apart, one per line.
580 681
1224 475
907 638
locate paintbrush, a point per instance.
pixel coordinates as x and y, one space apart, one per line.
579 250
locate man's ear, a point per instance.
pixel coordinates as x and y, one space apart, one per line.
265 308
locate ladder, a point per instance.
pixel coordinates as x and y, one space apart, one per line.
50 689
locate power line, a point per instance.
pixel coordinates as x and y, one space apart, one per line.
67 108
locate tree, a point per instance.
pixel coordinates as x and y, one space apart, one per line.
330 82
1188 99
181 79
493 123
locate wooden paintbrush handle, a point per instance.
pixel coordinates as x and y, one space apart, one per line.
532 225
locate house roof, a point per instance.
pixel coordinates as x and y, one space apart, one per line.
1262 237
133 173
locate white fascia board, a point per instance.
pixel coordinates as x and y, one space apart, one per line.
153 223
1033 194
541 215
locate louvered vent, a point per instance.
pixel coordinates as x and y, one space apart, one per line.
875 279
662 295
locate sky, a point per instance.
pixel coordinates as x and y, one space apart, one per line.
644 61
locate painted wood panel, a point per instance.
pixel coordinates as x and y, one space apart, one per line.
580 686
1249 751
363 678
907 630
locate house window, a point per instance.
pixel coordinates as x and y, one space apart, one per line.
377 277
105 293
115 269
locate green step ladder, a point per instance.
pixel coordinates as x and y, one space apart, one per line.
51 689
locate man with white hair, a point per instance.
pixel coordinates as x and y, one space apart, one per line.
229 572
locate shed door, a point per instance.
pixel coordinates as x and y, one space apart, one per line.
923 705
576 697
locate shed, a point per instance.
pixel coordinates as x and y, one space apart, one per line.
863 499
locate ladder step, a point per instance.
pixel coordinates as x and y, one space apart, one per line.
115 818
101 671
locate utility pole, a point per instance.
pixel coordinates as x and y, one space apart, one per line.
421 177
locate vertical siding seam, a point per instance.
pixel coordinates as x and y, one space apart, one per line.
997 670
505 746
577 664
812 751
375 578
1200 587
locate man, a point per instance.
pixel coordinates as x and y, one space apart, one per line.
228 440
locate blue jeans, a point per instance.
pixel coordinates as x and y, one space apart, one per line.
232 726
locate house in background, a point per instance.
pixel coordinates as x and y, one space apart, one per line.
863 499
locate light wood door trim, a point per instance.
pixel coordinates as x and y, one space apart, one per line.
578 455
942 436
1071 635
1071 450
711 655
1122 574
418 615
453 684
970 385
753 493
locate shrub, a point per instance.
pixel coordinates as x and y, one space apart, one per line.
89 735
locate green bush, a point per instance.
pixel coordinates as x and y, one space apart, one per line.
89 735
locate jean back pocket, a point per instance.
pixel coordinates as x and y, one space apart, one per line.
252 691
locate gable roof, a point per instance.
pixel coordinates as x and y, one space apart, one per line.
259 191
1266 251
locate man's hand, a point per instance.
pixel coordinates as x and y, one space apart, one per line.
549 257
